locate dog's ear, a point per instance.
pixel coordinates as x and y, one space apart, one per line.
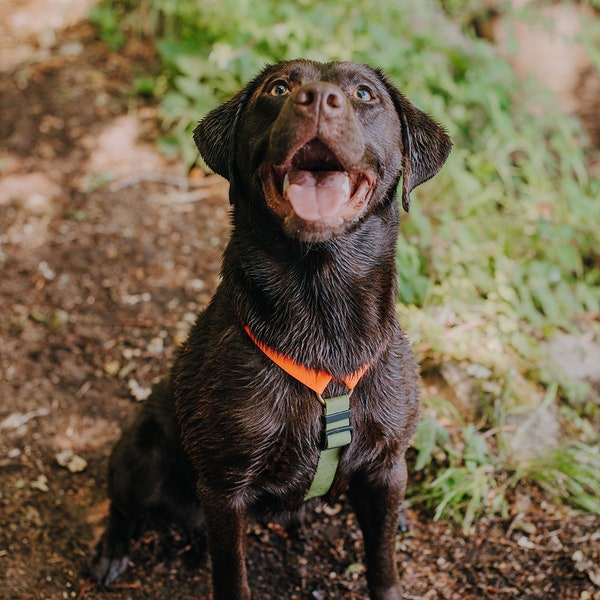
215 134
426 144
426 148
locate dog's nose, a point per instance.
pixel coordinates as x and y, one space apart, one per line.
319 98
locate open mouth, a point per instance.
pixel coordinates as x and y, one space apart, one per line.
315 187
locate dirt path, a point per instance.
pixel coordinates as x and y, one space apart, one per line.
106 255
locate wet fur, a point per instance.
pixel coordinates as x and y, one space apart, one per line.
234 434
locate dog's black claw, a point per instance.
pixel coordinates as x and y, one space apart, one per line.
106 570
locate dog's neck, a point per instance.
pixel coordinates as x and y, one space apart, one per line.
328 305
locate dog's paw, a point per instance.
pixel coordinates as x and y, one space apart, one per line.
105 570
403 526
393 593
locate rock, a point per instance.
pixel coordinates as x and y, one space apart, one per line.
572 358
156 346
577 357
41 484
467 393
137 391
534 433
71 461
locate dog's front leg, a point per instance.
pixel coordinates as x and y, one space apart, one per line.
378 505
227 538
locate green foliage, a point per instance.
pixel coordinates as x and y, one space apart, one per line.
468 472
497 254
106 18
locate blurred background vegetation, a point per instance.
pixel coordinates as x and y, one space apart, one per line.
499 259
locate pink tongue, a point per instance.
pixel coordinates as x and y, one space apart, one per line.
316 195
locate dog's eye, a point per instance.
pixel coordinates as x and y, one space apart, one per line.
279 88
364 94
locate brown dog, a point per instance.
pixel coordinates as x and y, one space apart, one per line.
305 310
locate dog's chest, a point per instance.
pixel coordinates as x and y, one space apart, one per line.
286 466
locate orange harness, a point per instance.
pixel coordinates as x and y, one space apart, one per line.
311 378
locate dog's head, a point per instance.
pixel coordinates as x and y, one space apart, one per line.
319 146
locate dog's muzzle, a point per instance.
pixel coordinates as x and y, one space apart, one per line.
314 191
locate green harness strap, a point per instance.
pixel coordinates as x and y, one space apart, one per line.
337 433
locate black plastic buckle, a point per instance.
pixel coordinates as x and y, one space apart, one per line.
337 431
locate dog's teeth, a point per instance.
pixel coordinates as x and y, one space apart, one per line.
286 182
346 186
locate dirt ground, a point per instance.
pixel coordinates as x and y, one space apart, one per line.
106 254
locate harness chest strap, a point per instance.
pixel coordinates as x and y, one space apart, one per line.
337 434
337 431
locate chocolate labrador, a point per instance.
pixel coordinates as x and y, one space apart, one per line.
296 383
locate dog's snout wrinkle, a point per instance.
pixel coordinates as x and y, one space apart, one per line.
319 98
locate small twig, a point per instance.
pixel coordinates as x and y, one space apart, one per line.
84 590
494 430
175 180
15 420
533 546
182 197
513 525
590 537
84 389
459 329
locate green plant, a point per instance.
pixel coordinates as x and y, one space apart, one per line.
107 20
468 472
